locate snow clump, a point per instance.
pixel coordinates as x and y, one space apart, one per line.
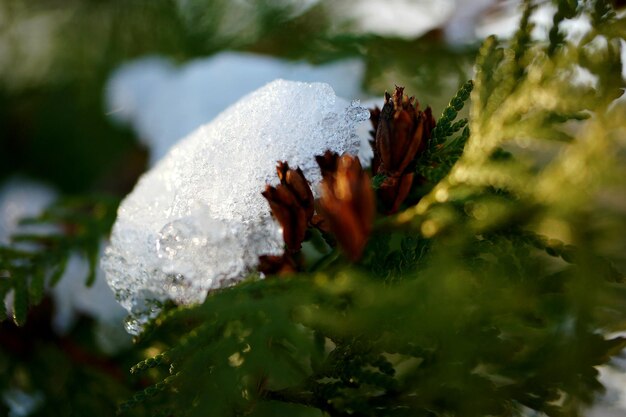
197 220
163 102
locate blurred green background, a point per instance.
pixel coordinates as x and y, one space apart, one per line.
55 58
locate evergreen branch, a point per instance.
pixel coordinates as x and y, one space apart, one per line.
444 127
565 10
438 163
571 254
601 12
442 153
517 98
147 393
365 320
152 362
426 326
486 60
377 181
38 259
522 39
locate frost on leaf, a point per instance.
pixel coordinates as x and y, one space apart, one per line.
197 221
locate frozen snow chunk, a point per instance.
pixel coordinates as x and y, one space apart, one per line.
163 102
186 244
197 220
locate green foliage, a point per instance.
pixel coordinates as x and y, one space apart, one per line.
494 333
67 375
496 293
499 291
74 226
442 152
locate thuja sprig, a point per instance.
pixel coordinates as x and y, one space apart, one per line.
601 12
37 259
565 10
422 326
445 126
570 254
438 163
147 393
152 362
443 152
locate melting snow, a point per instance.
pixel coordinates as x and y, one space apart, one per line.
164 103
197 220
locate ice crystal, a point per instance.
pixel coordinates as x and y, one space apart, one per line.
197 220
